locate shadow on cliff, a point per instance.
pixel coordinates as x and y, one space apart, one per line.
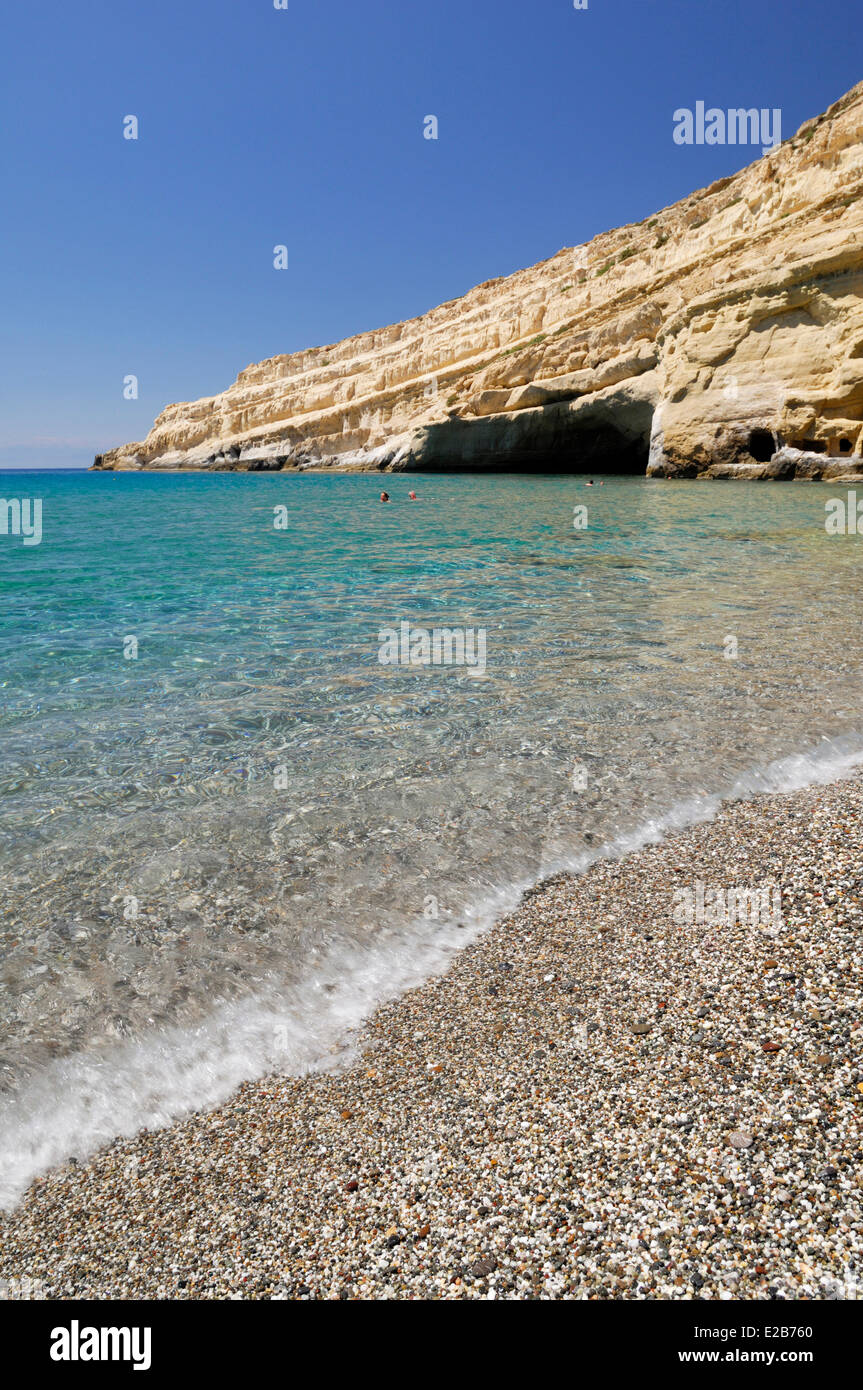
610 435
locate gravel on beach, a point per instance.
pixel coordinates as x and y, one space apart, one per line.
595 1101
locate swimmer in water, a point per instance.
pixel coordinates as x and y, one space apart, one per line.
385 497
590 484
412 496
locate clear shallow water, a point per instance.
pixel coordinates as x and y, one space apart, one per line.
176 918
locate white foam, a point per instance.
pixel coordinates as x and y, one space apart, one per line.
79 1103
830 761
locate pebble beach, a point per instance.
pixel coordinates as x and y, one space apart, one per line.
595 1102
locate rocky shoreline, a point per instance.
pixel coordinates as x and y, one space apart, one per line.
721 337
599 1100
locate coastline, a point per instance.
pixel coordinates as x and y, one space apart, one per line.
638 351
593 1102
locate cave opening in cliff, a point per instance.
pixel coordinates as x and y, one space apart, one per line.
597 437
597 451
761 446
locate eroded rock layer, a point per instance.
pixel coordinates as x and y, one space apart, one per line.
722 337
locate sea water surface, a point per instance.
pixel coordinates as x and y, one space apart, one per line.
228 830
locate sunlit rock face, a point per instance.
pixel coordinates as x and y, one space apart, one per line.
720 338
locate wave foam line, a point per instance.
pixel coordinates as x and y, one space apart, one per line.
81 1102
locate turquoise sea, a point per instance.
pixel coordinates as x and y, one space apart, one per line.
227 829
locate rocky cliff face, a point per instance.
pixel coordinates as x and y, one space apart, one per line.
722 337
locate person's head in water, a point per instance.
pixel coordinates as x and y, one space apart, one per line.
385 497
412 496
589 483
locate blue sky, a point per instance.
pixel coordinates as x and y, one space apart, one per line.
304 127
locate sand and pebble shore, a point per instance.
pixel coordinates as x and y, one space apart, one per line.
594 1102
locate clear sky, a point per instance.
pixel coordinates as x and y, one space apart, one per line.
304 127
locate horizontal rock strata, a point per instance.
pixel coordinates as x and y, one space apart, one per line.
720 338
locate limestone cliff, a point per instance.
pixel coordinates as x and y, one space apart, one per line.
722 337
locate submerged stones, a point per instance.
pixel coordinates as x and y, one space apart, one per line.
551 1157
